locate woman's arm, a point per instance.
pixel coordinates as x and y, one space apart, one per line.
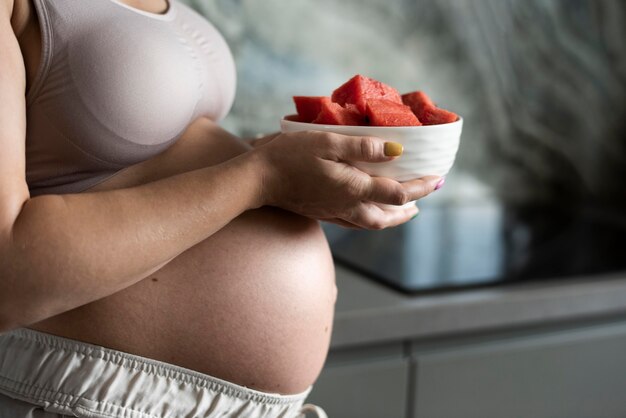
58 252
64 251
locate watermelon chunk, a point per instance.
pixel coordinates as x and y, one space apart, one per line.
359 89
308 107
425 109
437 116
294 118
334 114
418 101
381 112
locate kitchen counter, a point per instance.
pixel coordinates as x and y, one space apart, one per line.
541 349
369 313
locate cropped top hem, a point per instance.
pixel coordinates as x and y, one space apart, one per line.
83 186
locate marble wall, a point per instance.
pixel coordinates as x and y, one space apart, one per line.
541 83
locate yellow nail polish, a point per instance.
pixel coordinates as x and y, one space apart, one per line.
393 149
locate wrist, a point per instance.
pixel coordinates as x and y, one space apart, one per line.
262 171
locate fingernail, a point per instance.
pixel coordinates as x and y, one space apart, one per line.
393 149
440 183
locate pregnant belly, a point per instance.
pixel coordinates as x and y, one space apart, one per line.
253 304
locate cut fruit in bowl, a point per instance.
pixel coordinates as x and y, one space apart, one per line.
363 101
428 150
363 106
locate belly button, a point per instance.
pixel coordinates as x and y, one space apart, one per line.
154 279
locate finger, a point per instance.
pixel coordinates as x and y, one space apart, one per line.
397 216
384 206
370 216
391 192
342 223
418 188
387 191
360 148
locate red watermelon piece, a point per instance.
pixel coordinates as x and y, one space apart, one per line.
425 109
308 107
294 118
381 112
418 101
334 114
359 89
437 116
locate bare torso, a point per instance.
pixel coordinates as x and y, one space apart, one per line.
252 304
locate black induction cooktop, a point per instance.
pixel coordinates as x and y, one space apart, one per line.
456 245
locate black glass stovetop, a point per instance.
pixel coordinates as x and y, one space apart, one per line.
455 245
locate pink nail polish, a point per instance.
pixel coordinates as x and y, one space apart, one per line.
440 183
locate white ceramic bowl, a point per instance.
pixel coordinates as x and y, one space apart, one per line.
428 150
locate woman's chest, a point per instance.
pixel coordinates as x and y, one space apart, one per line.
115 85
26 28
126 65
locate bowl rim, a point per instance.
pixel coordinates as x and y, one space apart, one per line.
451 125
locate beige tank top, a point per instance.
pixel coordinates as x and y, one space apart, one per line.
116 86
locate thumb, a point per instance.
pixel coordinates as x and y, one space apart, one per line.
367 149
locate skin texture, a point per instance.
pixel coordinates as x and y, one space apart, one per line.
247 318
178 258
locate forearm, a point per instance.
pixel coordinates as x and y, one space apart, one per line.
69 250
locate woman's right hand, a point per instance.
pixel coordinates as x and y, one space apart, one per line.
309 173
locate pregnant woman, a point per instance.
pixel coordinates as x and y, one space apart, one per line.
152 264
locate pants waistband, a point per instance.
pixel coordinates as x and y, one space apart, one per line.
75 378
